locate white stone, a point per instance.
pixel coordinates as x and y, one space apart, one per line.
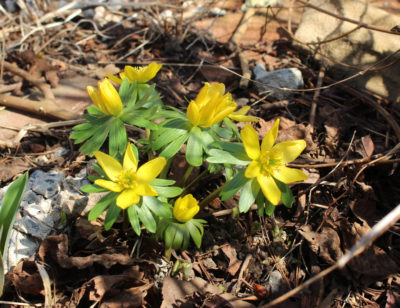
272 82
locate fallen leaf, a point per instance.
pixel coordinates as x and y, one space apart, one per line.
325 244
234 263
26 278
54 249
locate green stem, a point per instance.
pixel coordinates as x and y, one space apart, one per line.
164 172
188 172
195 181
150 154
211 196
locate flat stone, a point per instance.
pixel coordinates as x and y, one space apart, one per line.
21 246
46 184
347 49
34 227
272 82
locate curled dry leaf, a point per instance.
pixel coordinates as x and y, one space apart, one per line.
54 249
234 263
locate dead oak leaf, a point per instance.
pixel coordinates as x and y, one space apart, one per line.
54 249
325 244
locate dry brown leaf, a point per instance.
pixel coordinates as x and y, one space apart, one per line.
175 291
374 263
26 278
325 244
234 263
54 249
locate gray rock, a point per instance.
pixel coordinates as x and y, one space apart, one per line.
46 184
21 246
357 49
272 82
33 227
275 283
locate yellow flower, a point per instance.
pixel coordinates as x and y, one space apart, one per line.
269 161
127 179
185 208
139 74
211 106
106 98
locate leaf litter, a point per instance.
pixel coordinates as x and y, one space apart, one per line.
242 259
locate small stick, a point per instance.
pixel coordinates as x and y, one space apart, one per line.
316 95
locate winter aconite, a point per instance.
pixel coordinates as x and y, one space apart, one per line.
185 208
106 98
141 74
269 161
127 179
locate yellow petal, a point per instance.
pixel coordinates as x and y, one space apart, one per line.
218 117
127 198
116 187
150 170
250 141
114 78
110 97
202 97
243 118
185 208
145 190
269 188
193 113
150 71
130 162
288 175
110 165
253 169
95 97
290 149
270 137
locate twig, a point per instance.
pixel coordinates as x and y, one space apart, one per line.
316 95
245 265
381 227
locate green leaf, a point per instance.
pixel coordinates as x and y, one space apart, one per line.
157 207
133 219
124 90
287 195
194 148
236 149
94 110
146 218
229 124
111 216
186 237
194 233
102 205
96 141
248 195
260 203
169 114
118 137
162 182
207 139
177 242
174 146
92 188
9 209
269 207
168 192
161 227
222 157
238 181
169 235
177 123
167 136
82 135
223 132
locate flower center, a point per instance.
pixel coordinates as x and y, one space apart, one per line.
269 160
128 179
139 68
